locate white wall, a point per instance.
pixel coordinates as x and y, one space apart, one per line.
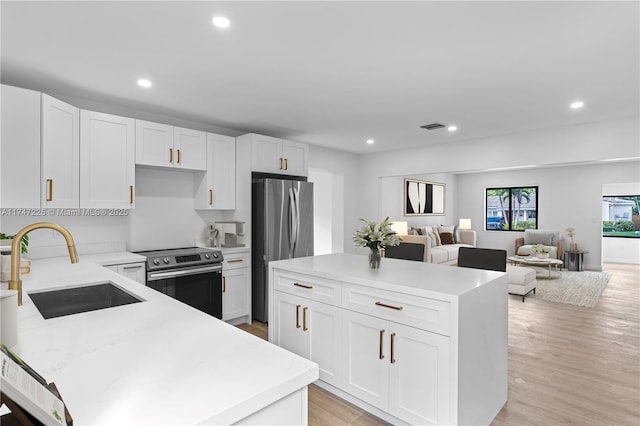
568 196
392 200
561 148
621 250
342 167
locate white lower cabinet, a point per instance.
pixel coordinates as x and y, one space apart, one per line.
312 330
234 293
134 271
399 369
236 287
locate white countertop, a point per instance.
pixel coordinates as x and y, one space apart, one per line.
410 277
154 362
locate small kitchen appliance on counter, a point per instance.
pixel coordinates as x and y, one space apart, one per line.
192 275
226 234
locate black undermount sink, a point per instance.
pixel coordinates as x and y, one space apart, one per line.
74 300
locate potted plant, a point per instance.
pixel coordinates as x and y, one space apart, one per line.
24 245
376 236
540 251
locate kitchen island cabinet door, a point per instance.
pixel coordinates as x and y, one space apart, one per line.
312 330
419 376
60 153
107 160
189 149
20 139
154 144
366 354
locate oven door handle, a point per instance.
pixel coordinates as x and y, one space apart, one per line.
184 272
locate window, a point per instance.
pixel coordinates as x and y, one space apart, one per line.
620 216
511 209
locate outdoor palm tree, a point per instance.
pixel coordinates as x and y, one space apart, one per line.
519 195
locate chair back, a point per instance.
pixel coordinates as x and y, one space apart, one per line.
407 251
481 258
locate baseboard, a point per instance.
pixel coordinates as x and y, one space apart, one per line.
628 261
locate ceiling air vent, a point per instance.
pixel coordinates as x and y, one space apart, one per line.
432 126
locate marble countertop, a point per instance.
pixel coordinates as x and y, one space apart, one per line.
403 276
155 362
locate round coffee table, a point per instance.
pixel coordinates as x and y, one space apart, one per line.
545 268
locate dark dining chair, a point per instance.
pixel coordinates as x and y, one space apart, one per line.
481 258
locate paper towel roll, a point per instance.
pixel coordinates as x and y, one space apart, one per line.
9 317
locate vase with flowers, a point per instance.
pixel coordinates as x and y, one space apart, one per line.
376 236
571 232
541 251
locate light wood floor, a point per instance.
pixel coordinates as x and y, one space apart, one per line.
567 364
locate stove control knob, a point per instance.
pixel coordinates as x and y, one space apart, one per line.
215 254
165 260
207 256
156 261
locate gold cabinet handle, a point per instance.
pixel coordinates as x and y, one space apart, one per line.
130 194
303 285
286 164
384 305
234 260
304 319
393 339
224 284
50 188
280 163
380 353
211 197
171 155
297 316
178 156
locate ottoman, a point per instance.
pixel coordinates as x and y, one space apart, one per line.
522 281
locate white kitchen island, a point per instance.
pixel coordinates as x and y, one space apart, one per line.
411 342
158 361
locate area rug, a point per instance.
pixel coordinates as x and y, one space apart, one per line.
575 288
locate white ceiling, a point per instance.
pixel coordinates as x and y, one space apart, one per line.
337 73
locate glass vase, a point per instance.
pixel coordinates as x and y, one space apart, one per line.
374 258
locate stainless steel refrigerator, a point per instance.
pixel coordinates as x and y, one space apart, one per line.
282 228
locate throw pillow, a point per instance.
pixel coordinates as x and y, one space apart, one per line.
446 238
436 238
449 229
413 231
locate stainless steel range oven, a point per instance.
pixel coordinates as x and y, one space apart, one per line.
191 275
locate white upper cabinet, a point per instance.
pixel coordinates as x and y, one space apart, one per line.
154 144
216 189
273 155
20 169
107 160
60 154
168 146
190 148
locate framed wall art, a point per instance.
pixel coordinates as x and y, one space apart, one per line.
423 198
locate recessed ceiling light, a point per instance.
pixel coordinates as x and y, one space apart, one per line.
221 22
370 141
143 82
576 105
452 128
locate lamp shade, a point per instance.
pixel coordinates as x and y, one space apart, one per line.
464 224
399 228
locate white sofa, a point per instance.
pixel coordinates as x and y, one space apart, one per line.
445 253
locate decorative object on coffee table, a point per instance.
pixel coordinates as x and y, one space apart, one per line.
541 251
376 236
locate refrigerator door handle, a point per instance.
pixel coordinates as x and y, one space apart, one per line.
293 221
296 193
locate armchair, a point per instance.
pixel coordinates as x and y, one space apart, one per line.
532 237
